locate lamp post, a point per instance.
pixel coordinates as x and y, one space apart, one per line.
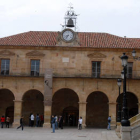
119 82
124 121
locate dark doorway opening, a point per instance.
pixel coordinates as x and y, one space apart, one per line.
97 110
10 113
70 116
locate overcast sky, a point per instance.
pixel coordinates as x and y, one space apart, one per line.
118 17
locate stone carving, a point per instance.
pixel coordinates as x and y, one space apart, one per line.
96 55
6 53
35 53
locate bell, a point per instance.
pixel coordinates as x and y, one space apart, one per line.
70 23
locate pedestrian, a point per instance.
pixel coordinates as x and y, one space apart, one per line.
61 122
41 120
80 123
7 121
21 123
32 120
37 120
2 121
56 122
53 123
109 122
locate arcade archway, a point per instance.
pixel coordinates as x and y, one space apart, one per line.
97 110
7 103
32 103
132 104
65 103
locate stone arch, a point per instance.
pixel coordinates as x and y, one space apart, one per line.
97 110
7 103
33 102
132 104
65 103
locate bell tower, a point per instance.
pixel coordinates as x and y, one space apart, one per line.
70 18
68 36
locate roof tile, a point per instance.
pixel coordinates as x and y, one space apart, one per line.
87 39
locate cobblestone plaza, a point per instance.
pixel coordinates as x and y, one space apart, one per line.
65 134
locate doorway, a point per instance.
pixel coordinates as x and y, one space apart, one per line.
70 116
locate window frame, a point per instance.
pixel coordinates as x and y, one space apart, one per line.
97 72
5 66
34 72
129 74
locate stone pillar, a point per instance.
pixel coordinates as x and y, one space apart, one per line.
17 112
112 113
47 97
82 112
118 127
47 116
126 133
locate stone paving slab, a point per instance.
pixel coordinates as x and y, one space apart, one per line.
64 134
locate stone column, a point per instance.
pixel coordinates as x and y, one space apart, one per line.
47 116
118 127
17 112
47 98
112 113
82 112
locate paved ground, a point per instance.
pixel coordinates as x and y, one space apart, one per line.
65 134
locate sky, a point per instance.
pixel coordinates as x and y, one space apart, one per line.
117 17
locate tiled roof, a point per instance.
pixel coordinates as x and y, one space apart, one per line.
87 39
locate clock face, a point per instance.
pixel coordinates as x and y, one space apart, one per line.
68 35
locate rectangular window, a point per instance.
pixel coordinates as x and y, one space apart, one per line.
96 69
5 65
129 69
35 67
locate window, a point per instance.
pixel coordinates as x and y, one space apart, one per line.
96 69
35 67
129 69
5 63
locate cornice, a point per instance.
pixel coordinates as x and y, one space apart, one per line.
35 53
96 55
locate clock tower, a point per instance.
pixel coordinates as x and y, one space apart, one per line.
68 36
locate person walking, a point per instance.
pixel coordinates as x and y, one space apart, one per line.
2 121
53 124
109 122
56 122
21 123
7 121
80 123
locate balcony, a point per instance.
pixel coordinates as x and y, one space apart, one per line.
79 73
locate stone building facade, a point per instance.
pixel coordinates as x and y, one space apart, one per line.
43 73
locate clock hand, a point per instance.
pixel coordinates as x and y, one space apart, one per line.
67 36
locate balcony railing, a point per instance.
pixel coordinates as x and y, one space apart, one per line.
87 73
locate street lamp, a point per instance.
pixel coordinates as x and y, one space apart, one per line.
122 74
124 121
119 82
133 53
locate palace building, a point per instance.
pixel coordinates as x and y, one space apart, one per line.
67 73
